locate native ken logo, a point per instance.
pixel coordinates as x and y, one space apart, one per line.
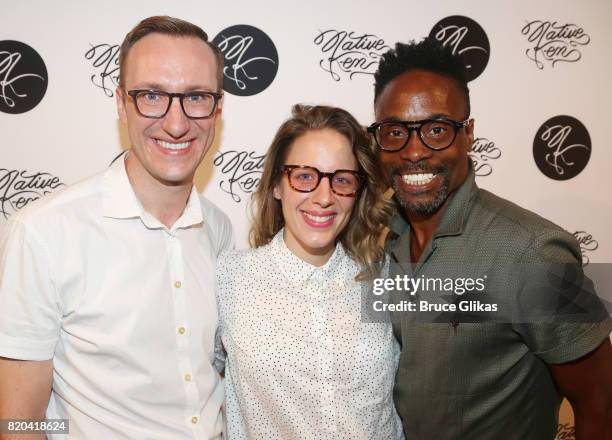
23 77
348 53
562 147
467 39
104 59
251 59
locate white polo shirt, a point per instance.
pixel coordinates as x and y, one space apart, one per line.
124 306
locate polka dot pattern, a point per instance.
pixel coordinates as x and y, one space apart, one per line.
300 363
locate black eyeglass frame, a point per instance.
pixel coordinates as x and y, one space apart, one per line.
135 92
287 169
417 125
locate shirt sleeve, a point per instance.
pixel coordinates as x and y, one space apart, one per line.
226 236
220 228
220 355
222 279
569 319
30 313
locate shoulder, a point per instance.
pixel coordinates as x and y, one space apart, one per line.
509 213
63 205
218 223
239 270
240 260
212 214
518 227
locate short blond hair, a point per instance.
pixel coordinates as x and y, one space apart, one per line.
162 24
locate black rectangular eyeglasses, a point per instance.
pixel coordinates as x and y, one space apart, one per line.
437 134
156 103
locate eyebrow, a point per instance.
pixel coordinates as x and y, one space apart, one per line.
159 87
434 116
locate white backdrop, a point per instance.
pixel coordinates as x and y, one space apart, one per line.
74 132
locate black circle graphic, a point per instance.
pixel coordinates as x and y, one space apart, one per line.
468 39
562 147
251 59
23 77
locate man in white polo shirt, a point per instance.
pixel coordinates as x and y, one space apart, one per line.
107 304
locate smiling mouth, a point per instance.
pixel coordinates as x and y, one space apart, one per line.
319 221
173 145
318 218
419 179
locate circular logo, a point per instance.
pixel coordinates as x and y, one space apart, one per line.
467 39
562 147
251 59
23 77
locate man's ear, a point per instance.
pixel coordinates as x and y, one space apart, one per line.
219 108
120 100
469 133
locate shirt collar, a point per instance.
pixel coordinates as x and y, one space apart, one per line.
120 201
192 215
455 214
298 270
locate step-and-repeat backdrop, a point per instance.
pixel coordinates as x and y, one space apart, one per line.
539 84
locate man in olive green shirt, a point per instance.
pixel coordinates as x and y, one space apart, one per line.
461 379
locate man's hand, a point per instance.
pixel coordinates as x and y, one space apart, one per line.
25 387
587 384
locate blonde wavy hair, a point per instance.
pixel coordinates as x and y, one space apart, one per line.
371 211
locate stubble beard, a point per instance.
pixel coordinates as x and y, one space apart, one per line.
417 204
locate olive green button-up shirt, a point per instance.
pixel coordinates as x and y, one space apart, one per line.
484 380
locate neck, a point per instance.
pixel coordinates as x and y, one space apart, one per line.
316 257
422 228
165 202
424 225
317 260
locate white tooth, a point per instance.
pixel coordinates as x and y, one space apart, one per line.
173 146
317 218
418 179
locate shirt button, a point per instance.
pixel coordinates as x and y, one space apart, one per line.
194 420
182 330
188 377
177 284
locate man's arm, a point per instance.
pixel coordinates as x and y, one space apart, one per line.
25 387
587 384
30 321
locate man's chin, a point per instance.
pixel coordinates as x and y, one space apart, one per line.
424 203
174 180
424 206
